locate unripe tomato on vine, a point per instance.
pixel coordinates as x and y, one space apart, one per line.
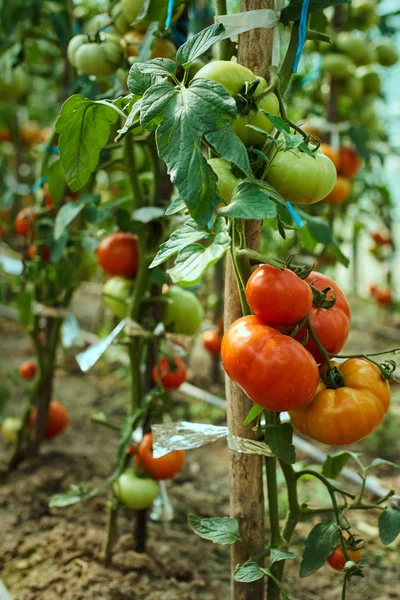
135 492
165 467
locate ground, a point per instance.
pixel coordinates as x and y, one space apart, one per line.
51 554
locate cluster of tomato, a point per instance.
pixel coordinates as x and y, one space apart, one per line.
112 41
347 163
273 355
383 296
138 488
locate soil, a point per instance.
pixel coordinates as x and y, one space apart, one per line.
54 554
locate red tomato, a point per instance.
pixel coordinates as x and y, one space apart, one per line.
212 341
44 252
337 559
165 467
278 295
372 289
380 238
118 254
27 370
384 297
47 200
23 221
331 325
274 370
57 419
172 373
350 162
331 153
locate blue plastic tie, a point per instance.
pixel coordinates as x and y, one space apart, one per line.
39 183
51 149
169 13
302 33
296 218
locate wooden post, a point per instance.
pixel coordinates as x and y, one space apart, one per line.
246 481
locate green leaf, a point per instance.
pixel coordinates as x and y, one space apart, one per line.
318 227
84 127
67 214
248 572
255 410
189 233
277 555
381 461
181 117
199 44
220 530
320 544
277 121
176 206
228 145
249 201
25 308
389 525
279 438
334 463
360 137
148 42
293 11
163 67
131 122
138 81
56 181
194 260
75 494
334 248
148 213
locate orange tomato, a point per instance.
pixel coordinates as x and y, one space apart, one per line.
23 221
131 41
337 559
350 162
331 153
27 370
30 133
383 297
341 191
44 252
162 468
57 419
171 372
381 238
212 341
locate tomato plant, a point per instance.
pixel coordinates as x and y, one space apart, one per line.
165 467
135 492
337 559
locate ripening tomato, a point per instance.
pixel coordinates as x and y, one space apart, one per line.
23 221
165 467
212 341
381 238
27 370
331 325
350 162
300 178
278 296
171 373
135 492
162 48
10 428
118 254
57 419
30 133
337 559
331 153
383 297
274 370
347 414
341 191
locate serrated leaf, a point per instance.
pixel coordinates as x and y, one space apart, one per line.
84 127
292 12
199 44
138 81
131 122
75 494
320 544
189 233
381 461
292 141
249 201
163 67
276 121
220 530
193 261
176 206
277 555
228 145
249 572
254 412
334 464
147 214
279 438
389 525
66 215
181 117
148 42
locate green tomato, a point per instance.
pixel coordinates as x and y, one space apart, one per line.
301 179
131 9
370 80
386 52
97 23
10 427
344 106
226 180
357 48
116 294
92 58
183 313
367 115
13 84
230 75
88 266
121 25
352 88
135 492
338 66
363 15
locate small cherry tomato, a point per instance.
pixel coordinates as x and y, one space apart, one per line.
212 341
23 221
27 370
57 419
350 162
118 254
278 296
384 297
337 559
172 373
381 238
165 467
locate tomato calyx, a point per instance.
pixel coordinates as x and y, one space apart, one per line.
320 297
333 378
301 271
245 100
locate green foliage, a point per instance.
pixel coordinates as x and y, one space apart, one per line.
280 439
220 530
389 525
320 544
249 201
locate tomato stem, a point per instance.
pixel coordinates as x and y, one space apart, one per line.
260 258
